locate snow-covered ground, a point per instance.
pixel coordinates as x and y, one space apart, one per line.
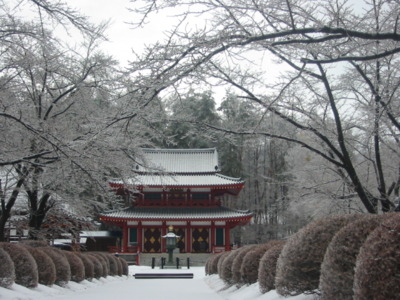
201 287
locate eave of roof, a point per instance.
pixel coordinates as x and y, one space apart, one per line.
176 214
179 180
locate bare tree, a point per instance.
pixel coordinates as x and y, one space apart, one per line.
333 56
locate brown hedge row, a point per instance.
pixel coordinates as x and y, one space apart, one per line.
251 262
125 266
63 270
221 262
378 263
104 262
226 267
26 270
46 267
98 269
267 268
88 264
299 264
337 269
7 269
76 266
237 264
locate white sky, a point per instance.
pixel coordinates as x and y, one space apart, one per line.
122 37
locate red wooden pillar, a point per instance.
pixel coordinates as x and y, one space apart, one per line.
212 241
163 240
139 236
227 238
188 238
125 237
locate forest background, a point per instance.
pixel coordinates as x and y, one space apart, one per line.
300 97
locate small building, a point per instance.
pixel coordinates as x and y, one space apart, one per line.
181 188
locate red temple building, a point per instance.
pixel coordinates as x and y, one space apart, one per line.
181 188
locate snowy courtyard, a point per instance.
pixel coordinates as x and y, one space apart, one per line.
201 287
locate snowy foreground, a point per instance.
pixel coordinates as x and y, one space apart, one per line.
201 287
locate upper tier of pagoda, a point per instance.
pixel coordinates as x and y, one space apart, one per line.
179 168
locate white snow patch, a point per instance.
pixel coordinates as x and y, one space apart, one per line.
201 287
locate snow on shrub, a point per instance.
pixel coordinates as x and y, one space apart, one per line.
237 264
76 265
119 265
298 267
98 268
7 269
221 261
26 270
88 264
104 262
267 267
46 267
213 264
337 269
125 266
378 263
251 262
63 270
226 267
112 263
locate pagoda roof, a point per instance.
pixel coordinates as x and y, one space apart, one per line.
186 161
179 180
177 213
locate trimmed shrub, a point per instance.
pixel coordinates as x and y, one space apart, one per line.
119 264
88 264
267 267
98 269
378 263
237 264
226 267
26 270
76 265
104 262
221 261
213 266
46 267
125 266
251 262
298 267
113 264
337 269
7 269
63 270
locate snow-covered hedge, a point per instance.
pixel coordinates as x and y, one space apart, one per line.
104 263
298 267
378 263
237 265
46 267
212 265
221 262
88 265
267 267
76 266
7 270
125 266
26 270
251 262
337 269
98 268
63 270
226 267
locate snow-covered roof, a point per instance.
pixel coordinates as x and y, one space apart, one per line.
202 180
177 213
178 168
178 161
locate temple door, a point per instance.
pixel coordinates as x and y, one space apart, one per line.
152 240
200 242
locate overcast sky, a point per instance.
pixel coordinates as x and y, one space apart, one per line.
122 37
